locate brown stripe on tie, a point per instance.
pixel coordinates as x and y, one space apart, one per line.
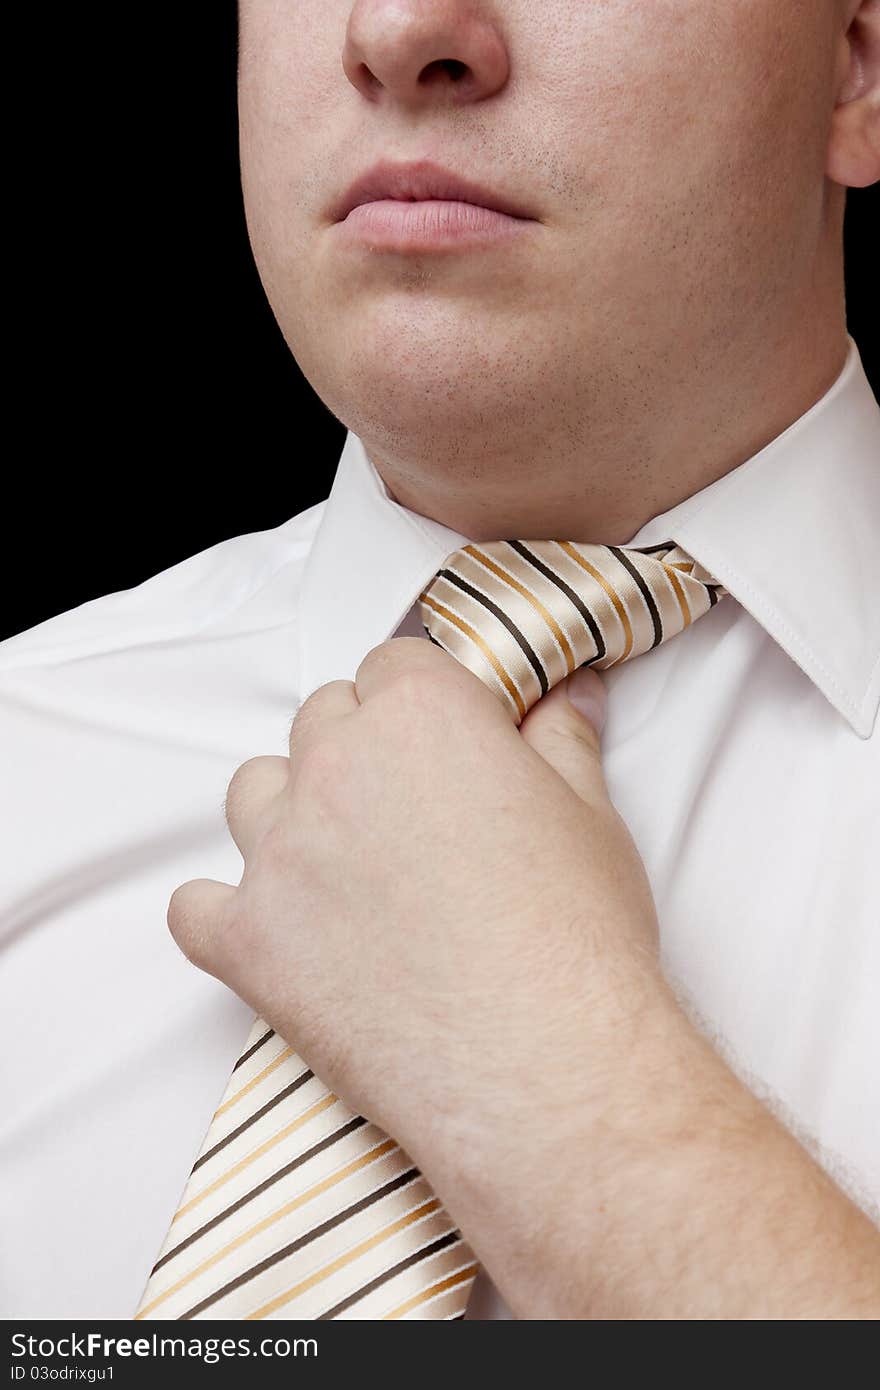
321 1147
608 587
253 1119
418 1257
385 1149
365 1247
589 618
644 590
298 1123
507 578
245 1056
255 1080
515 632
403 1180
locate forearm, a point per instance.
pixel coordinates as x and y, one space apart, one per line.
668 1192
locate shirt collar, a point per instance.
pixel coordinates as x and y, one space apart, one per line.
791 533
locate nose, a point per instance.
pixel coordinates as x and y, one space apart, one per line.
419 53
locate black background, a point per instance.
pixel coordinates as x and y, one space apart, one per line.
156 409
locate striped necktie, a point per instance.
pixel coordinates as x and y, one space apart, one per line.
296 1208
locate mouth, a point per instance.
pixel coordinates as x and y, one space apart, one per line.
420 183
421 206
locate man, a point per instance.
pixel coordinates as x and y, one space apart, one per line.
565 271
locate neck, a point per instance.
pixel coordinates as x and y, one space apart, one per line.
666 431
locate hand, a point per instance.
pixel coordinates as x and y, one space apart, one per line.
447 919
434 904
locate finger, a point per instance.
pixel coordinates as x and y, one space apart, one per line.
198 914
251 797
335 700
400 656
565 728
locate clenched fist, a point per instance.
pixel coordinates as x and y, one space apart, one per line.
436 907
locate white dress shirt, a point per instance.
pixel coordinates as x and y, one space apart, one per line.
740 755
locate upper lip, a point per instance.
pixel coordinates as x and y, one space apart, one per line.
417 182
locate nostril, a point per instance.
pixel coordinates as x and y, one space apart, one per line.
370 80
444 67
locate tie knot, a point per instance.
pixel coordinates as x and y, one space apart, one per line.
522 615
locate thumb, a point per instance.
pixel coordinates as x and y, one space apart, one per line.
564 728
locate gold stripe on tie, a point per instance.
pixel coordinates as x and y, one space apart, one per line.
297 1208
233 1099
679 593
458 622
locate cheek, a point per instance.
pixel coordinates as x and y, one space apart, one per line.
696 135
289 88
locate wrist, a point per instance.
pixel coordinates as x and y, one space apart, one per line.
532 1164
645 1181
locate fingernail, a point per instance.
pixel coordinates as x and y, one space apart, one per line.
588 695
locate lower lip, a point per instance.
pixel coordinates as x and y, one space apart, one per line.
431 225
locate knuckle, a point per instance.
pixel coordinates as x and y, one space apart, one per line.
236 791
306 712
312 711
186 926
377 656
200 930
419 690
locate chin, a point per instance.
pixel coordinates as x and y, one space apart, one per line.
416 369
437 408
